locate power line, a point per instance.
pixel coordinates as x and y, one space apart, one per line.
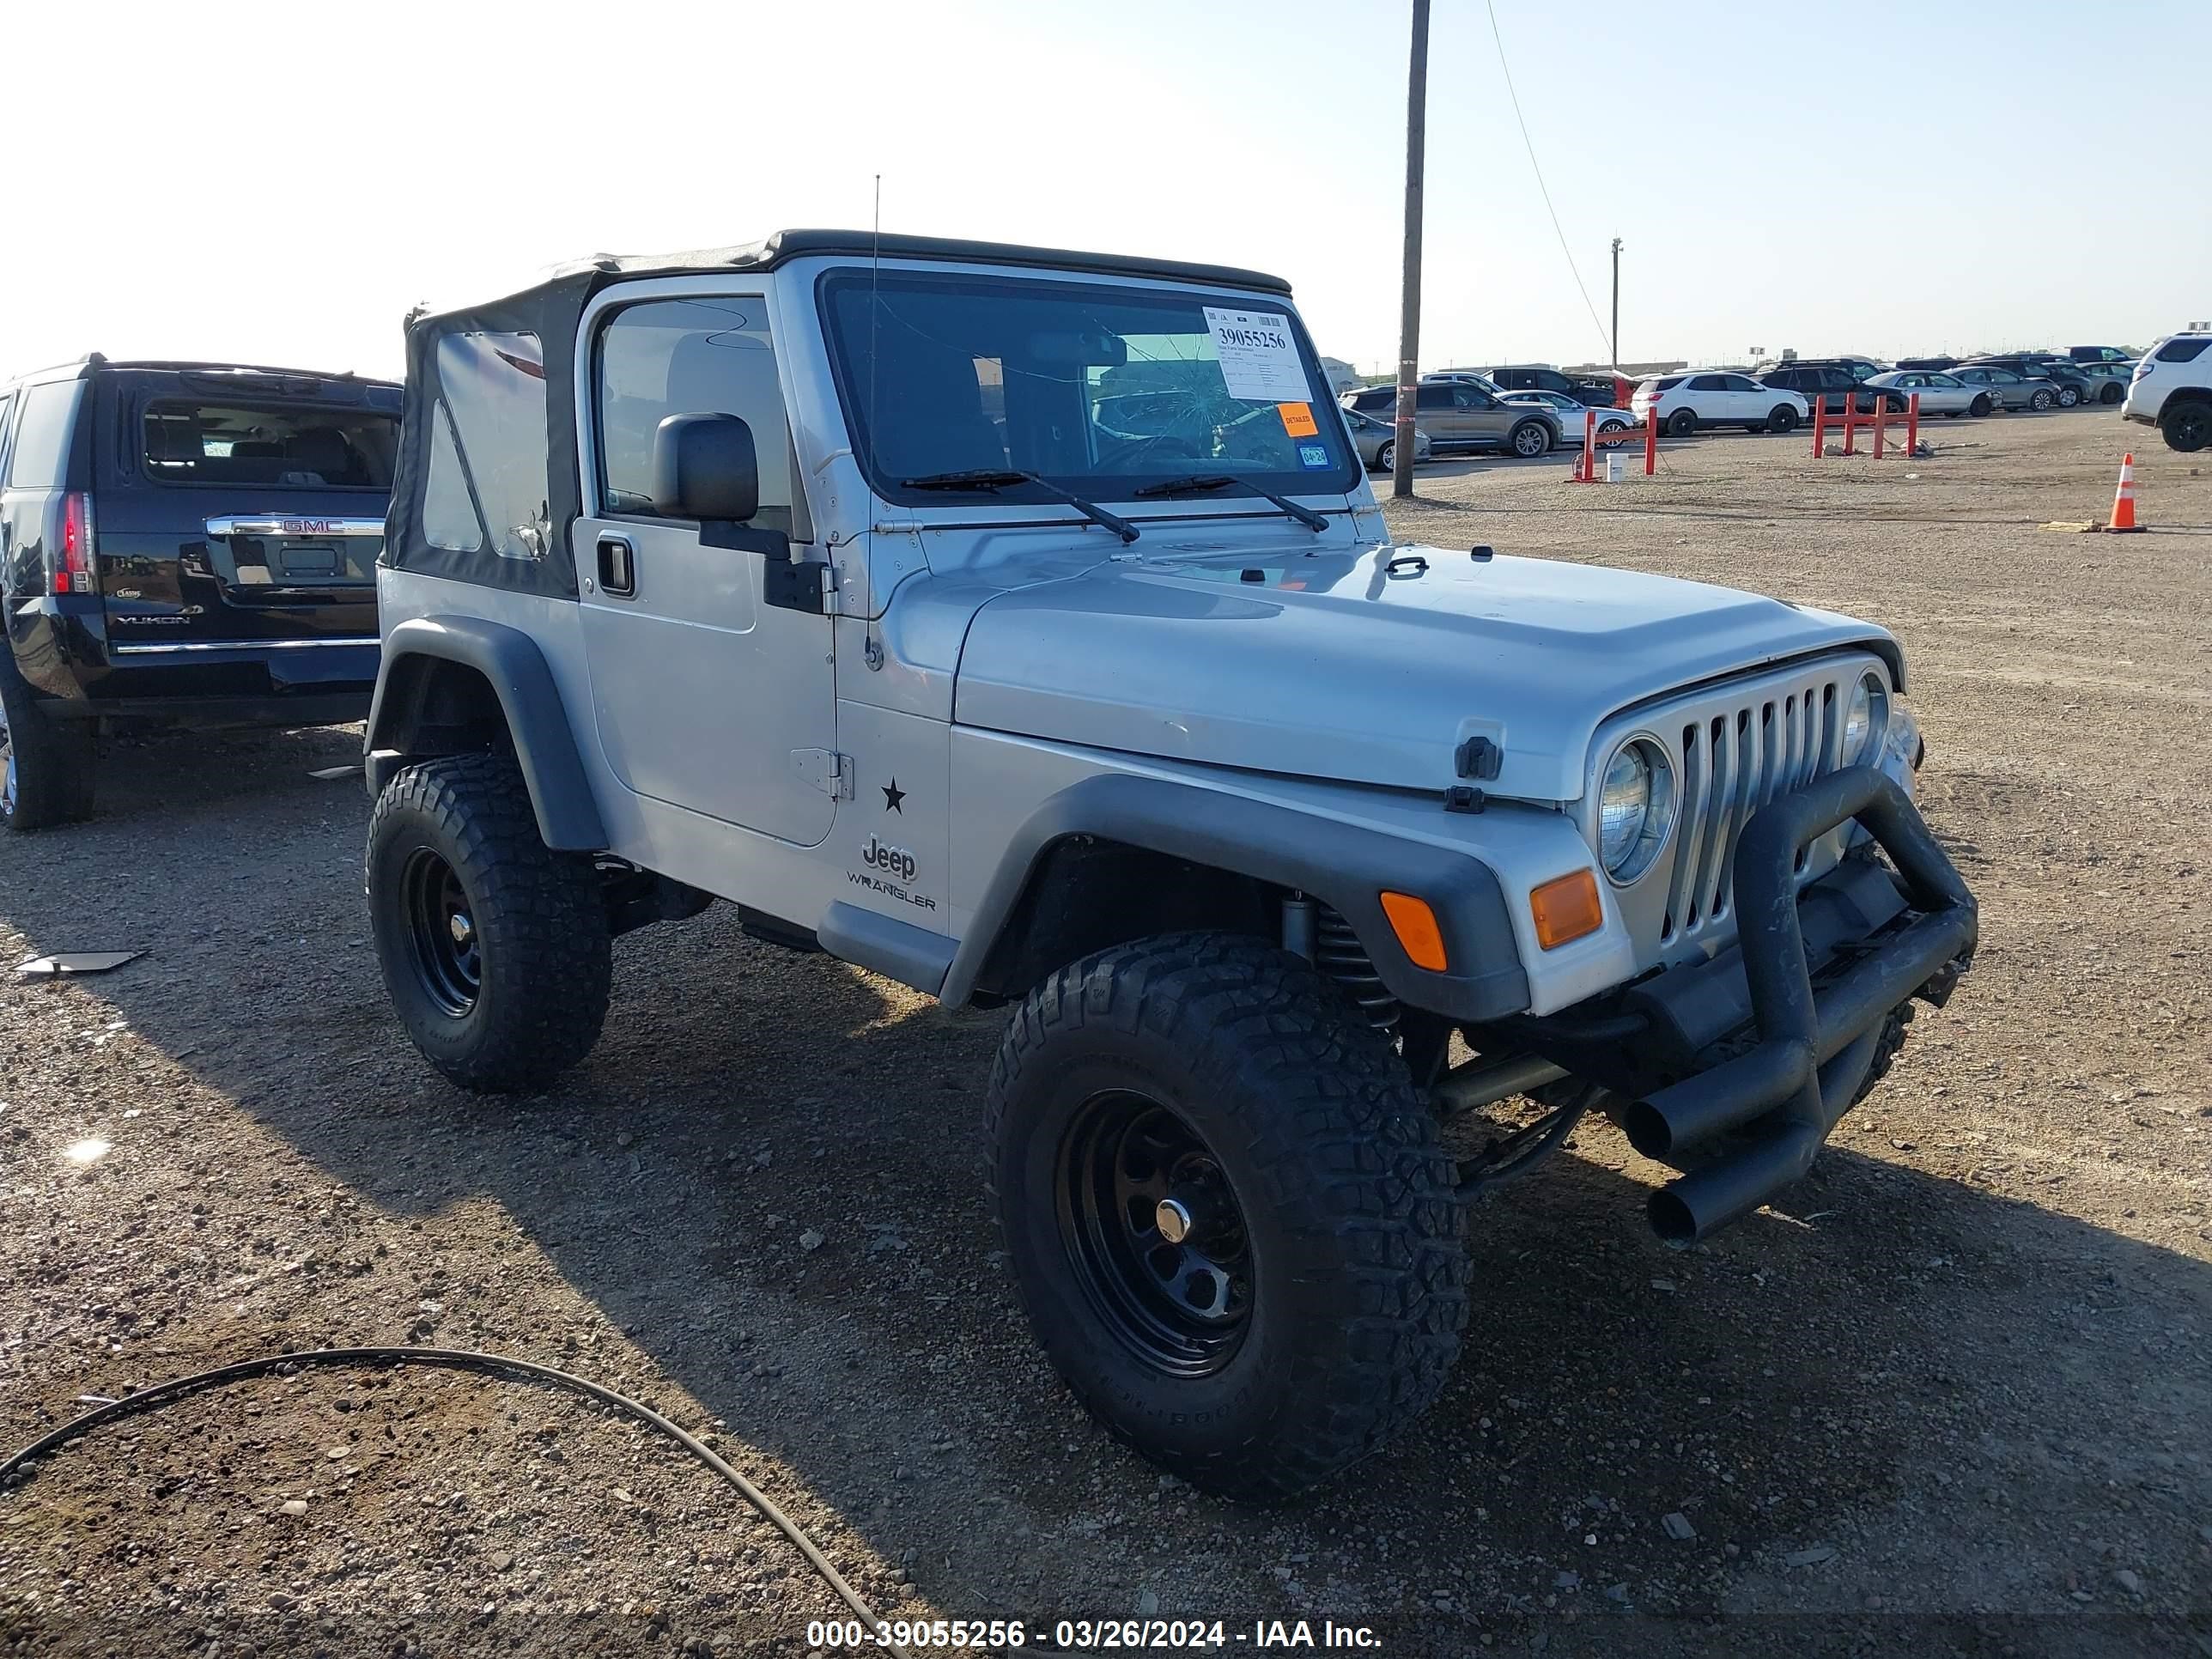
1595 322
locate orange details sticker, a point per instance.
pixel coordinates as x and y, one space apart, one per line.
1298 420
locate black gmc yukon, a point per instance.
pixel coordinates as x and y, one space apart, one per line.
190 544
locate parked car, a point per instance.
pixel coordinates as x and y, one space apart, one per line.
1572 410
1462 414
185 544
1718 397
2108 381
1938 364
1812 381
1591 393
2172 390
2069 385
2099 355
1859 368
2012 390
1376 441
1940 394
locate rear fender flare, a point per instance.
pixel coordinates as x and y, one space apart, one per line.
537 720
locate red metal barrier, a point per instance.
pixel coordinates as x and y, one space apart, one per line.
1878 422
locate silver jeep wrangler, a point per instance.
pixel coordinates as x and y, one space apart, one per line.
1019 624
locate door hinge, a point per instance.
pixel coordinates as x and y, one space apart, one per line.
806 584
826 769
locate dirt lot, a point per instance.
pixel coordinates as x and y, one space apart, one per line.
1955 1399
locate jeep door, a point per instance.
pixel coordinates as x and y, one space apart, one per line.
709 692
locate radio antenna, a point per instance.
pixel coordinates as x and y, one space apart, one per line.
875 300
872 650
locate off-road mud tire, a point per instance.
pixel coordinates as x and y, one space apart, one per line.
1358 1265
536 916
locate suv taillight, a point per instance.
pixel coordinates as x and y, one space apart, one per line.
72 560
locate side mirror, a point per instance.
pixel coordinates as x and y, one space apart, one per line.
704 467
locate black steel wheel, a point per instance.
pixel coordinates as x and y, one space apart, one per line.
441 933
1224 1210
494 947
1155 1234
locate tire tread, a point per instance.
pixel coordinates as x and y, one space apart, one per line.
1343 1147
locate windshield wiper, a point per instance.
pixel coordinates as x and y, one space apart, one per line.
998 478
1201 482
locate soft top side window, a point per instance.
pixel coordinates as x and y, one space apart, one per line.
486 486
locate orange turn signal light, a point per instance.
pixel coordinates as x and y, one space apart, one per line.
1566 908
1415 925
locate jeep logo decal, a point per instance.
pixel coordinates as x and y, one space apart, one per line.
891 860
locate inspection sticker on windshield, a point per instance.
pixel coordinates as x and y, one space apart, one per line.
1259 356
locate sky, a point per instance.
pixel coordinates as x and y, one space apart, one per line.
280 184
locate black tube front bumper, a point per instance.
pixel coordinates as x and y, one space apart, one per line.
1810 1051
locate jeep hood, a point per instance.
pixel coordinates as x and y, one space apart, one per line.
1365 666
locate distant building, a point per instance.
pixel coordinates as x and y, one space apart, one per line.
1342 376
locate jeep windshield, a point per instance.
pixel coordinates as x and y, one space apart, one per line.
1096 390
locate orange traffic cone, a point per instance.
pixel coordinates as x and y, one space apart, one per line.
2123 503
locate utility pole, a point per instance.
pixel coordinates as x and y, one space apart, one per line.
1616 304
1409 314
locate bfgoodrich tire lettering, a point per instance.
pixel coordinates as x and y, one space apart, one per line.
1351 1236
527 997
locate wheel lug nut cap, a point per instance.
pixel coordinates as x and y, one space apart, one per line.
1173 1220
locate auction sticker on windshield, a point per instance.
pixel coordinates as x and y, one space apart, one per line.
1259 357
1298 420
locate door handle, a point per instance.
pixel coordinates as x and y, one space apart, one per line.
617 567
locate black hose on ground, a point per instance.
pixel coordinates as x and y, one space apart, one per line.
457 1360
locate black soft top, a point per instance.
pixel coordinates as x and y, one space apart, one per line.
545 315
787 244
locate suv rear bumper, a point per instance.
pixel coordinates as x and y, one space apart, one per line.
79 672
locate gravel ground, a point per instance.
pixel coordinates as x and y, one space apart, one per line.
1951 1398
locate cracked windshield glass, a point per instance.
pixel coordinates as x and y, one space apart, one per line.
955 382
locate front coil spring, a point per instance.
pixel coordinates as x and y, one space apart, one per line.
1339 953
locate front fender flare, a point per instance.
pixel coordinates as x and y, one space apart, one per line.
537 719
1346 866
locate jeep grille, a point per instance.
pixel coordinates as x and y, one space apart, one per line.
1736 753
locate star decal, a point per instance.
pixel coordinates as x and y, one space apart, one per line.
893 795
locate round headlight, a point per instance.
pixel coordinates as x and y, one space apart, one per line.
1635 809
1868 713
